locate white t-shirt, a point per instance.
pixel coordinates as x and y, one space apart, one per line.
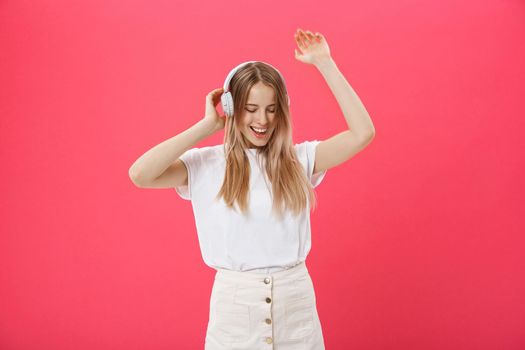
256 241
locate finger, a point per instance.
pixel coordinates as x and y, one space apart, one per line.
299 41
305 39
316 37
307 33
217 95
311 37
212 96
215 92
300 35
302 40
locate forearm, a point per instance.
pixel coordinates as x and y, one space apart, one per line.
354 111
156 160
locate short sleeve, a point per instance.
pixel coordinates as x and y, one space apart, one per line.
192 160
306 152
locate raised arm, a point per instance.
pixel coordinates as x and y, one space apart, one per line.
160 166
361 131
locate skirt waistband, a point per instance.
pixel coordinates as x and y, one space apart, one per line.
294 272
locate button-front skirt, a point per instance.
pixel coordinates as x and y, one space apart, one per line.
255 311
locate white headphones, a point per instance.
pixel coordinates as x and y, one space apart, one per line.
226 97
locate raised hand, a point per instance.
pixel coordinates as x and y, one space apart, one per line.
313 47
211 115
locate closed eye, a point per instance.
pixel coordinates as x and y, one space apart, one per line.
256 111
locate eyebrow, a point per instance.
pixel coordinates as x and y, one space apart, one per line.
253 104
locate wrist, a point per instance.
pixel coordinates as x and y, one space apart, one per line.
324 62
206 127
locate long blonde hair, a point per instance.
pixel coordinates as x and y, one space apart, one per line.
291 189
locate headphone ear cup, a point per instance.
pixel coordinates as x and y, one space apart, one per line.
227 103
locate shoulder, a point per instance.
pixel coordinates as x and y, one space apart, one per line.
306 155
206 152
215 151
203 157
306 149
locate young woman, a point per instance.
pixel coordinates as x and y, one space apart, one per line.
252 197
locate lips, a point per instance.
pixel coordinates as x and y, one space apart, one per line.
258 130
260 135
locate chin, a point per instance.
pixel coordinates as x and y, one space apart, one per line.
255 141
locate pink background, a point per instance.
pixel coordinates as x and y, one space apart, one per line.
418 241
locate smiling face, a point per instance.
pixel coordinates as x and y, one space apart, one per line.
258 115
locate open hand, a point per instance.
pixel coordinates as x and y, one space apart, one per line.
313 47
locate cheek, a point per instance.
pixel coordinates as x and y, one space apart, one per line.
245 121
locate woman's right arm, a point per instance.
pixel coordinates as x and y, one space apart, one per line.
160 167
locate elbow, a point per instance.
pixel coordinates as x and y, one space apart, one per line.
370 137
134 176
368 140
371 131
367 136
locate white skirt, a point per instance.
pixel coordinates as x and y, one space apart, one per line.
250 310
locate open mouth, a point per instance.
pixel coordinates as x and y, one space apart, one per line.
259 132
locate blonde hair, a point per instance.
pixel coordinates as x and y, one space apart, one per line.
291 189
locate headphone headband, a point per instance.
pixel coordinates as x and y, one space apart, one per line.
234 70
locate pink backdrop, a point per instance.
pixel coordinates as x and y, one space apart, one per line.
417 241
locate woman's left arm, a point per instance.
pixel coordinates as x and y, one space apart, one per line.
344 145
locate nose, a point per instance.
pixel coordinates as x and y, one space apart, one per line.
262 117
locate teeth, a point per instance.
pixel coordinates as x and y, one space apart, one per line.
259 130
